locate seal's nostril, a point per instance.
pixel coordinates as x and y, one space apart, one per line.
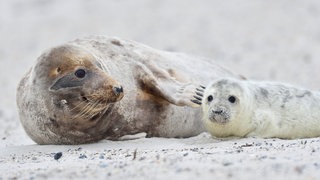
218 112
118 90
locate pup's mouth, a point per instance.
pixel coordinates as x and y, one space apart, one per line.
219 117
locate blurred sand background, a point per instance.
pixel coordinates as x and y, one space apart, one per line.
263 40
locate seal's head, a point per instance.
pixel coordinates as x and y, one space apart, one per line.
76 91
221 101
224 106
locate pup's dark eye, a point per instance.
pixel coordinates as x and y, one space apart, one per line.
232 99
80 73
210 98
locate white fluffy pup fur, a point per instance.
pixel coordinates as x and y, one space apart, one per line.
243 108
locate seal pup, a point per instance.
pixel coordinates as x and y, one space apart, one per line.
233 107
104 88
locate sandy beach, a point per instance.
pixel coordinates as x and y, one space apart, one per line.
261 40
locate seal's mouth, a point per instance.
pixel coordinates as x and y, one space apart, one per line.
88 107
98 115
219 120
219 115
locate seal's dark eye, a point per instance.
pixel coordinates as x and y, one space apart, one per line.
232 99
210 98
80 73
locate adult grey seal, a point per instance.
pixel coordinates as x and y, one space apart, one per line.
233 107
103 88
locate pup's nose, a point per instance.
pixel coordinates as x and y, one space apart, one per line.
117 90
218 112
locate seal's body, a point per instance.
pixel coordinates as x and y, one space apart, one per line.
99 87
264 109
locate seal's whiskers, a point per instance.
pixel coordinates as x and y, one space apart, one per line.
89 109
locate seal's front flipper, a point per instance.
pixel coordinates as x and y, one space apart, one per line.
160 84
186 95
198 95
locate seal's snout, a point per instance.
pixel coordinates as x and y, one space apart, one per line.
117 90
219 115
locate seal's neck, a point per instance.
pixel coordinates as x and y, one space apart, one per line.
112 124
